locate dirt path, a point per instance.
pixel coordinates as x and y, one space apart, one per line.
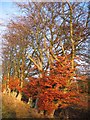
12 108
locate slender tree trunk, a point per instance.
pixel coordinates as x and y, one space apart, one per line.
8 89
30 102
52 114
14 93
19 96
71 34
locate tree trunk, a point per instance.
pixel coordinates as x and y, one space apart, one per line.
8 89
52 114
4 91
13 93
19 96
30 102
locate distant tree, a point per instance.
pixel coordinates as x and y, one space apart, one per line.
14 53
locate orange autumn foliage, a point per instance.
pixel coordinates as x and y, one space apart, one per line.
11 83
14 84
58 89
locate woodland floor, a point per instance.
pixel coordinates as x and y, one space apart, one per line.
12 108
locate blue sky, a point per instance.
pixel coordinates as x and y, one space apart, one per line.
7 11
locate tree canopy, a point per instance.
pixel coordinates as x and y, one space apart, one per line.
42 54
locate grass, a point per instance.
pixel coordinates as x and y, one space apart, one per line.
12 108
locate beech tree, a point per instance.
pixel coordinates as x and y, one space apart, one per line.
45 41
52 19
16 45
57 90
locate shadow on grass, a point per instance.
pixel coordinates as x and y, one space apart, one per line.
73 114
8 113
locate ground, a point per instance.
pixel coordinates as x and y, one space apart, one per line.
12 108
